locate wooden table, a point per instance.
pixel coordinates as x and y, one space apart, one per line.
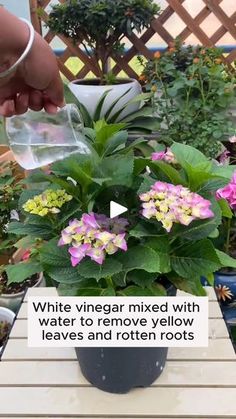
196 382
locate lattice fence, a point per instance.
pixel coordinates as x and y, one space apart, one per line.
227 24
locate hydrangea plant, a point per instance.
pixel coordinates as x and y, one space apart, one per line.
174 214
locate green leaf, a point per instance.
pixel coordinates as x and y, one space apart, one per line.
136 291
172 174
119 169
97 113
108 292
53 255
225 208
195 259
192 285
141 278
68 275
226 261
90 269
143 229
140 257
114 103
116 142
22 271
33 230
187 155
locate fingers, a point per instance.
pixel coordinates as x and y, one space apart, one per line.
21 103
55 93
7 109
36 101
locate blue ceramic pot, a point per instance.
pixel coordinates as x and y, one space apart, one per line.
225 287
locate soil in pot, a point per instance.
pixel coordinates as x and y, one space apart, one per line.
5 328
16 288
118 370
99 82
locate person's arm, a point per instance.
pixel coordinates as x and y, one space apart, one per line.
36 83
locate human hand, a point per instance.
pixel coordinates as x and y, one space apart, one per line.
35 85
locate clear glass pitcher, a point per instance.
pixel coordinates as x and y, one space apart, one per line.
38 139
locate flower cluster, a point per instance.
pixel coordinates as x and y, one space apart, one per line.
166 156
49 202
94 236
171 204
229 192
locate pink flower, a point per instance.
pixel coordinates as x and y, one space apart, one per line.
167 156
89 220
97 254
171 204
78 253
26 255
94 236
159 155
229 192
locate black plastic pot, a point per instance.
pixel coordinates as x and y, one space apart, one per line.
118 370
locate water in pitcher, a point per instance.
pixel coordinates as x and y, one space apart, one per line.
38 139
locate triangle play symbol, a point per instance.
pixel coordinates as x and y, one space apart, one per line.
116 209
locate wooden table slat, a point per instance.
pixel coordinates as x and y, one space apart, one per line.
217 329
68 373
218 349
88 401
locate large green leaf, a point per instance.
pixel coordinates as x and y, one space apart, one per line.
90 269
226 260
68 275
53 255
187 155
116 142
119 169
145 229
172 174
140 257
22 271
195 259
97 113
33 230
191 285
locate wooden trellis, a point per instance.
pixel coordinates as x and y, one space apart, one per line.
175 7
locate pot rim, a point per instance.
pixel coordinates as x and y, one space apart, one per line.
20 294
126 81
7 311
226 273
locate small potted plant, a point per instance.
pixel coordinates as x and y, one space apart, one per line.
6 320
163 244
10 191
194 92
100 28
225 279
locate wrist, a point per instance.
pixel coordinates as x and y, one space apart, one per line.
14 35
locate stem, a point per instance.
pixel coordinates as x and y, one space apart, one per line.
227 244
109 282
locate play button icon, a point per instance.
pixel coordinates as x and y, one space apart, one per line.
116 209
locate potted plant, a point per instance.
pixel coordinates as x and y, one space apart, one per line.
10 190
6 320
162 244
225 279
194 92
100 28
